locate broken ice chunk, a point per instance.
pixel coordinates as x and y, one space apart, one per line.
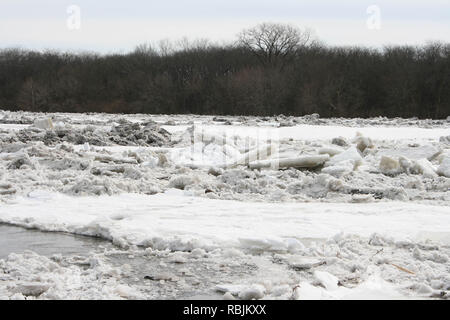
340 169
350 154
329 281
362 143
424 167
340 141
253 292
300 162
444 168
389 165
43 123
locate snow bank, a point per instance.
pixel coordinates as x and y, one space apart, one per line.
184 223
414 153
328 132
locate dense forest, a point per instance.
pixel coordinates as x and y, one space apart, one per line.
270 69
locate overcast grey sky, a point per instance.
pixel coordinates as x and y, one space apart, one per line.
118 26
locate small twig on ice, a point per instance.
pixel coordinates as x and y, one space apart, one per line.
402 269
377 253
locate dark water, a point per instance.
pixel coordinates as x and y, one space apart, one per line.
17 239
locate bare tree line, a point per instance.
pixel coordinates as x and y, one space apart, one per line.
271 69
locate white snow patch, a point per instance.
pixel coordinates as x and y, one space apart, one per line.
174 220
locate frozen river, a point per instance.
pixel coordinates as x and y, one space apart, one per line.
101 206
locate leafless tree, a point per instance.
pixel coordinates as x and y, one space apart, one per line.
274 43
145 49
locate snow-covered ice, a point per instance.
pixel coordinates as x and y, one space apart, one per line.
178 221
206 205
